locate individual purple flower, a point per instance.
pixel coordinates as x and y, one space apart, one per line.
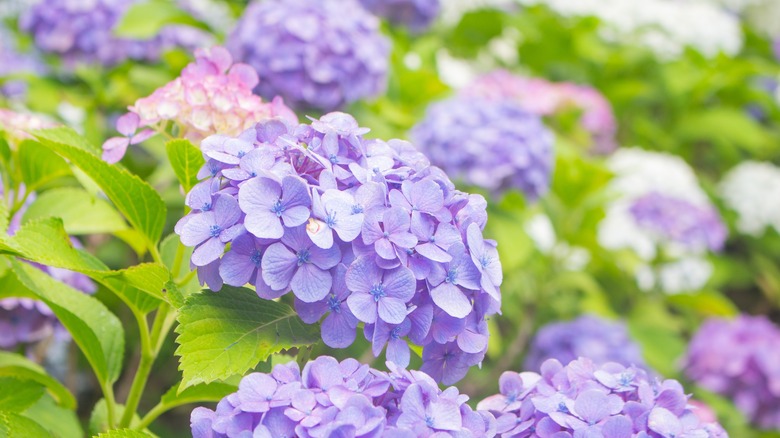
334 212
127 125
454 281
579 400
447 363
271 205
588 336
297 263
389 232
338 327
320 54
416 15
496 145
377 292
209 231
392 335
739 359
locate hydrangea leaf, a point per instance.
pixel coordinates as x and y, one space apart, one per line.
17 366
186 160
40 166
138 201
97 331
81 212
17 426
59 421
18 394
124 433
226 333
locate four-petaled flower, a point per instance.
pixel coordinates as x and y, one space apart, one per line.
379 292
269 204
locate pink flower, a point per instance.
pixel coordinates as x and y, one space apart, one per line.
18 124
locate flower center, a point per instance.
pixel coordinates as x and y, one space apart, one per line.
429 421
303 256
357 208
378 291
330 221
214 230
452 276
206 206
395 333
278 208
256 257
333 159
562 408
334 304
484 261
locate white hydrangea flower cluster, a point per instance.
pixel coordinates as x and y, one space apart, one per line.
665 26
540 230
762 15
637 174
752 190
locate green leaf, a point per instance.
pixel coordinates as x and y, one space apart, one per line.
98 420
16 426
14 365
137 200
228 332
144 20
17 394
96 330
59 421
81 212
124 433
39 165
186 160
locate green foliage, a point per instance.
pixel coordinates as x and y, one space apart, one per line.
225 333
144 20
17 395
40 166
19 367
186 160
80 211
14 425
57 420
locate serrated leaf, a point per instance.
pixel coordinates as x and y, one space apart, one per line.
14 365
186 160
18 394
138 201
60 422
96 330
16 426
124 433
39 165
228 332
81 212
144 20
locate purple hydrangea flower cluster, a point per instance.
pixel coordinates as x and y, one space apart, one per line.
320 54
81 31
360 231
493 144
347 399
740 359
694 226
588 336
586 400
416 15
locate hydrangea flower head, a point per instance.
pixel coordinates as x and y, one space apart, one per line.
546 98
582 399
319 54
588 336
739 359
81 31
745 190
416 15
360 231
660 209
18 125
330 398
212 95
493 144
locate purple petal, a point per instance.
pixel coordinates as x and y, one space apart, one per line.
451 299
325 258
278 266
311 312
664 422
297 215
209 251
295 192
592 406
310 283
392 310
403 239
362 275
338 329
114 149
398 352
363 307
236 269
399 283
264 224
196 229
128 124
396 220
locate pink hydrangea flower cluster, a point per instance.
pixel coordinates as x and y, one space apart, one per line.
546 98
211 96
17 125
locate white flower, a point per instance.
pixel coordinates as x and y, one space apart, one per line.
752 189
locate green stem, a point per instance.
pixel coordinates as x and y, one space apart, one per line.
152 415
142 374
178 260
155 253
184 280
108 395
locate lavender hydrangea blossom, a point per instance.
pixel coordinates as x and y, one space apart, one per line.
346 399
320 54
588 336
81 31
416 15
493 144
586 400
361 231
739 359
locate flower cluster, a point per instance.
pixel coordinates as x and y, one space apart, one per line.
330 399
588 336
17 125
416 15
746 189
493 144
661 212
583 399
211 95
666 27
320 54
546 98
360 231
739 359
81 31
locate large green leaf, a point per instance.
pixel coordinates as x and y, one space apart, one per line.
18 394
144 20
124 433
96 330
228 332
186 160
39 165
137 200
16 426
14 365
59 421
81 212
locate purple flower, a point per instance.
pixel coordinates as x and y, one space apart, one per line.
270 206
334 212
739 359
449 282
392 335
209 231
298 263
127 125
389 232
379 292
496 145
338 328
417 15
588 336
320 54
447 363
422 409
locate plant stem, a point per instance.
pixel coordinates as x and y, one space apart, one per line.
152 415
178 260
108 395
155 253
142 374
